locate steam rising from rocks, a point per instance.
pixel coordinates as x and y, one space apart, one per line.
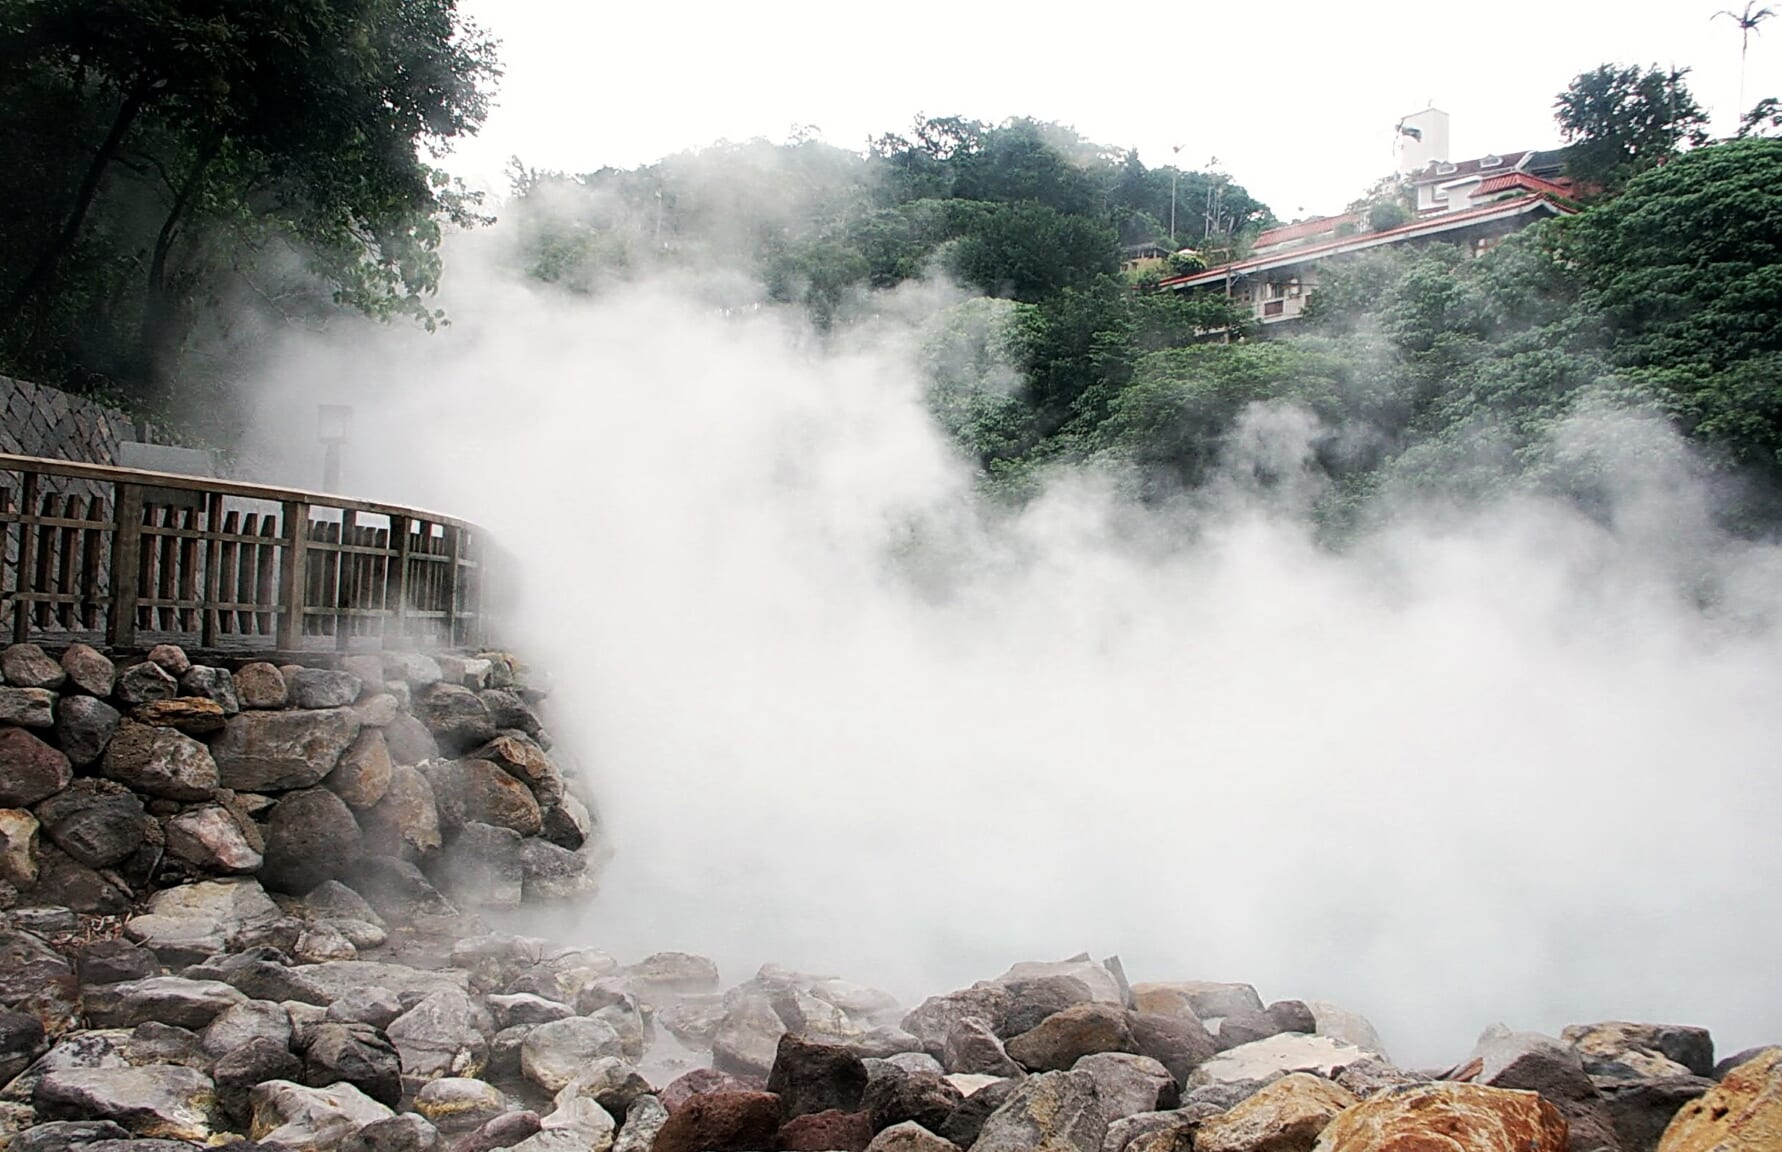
1508 763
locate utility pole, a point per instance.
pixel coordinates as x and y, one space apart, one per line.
1175 171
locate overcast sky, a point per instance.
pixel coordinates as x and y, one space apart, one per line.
1296 99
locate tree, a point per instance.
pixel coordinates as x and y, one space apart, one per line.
1748 22
1621 121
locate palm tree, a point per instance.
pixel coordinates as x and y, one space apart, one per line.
1748 22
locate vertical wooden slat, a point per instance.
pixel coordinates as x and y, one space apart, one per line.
266 623
50 505
126 546
21 619
346 576
67 541
213 557
89 566
396 629
293 574
454 541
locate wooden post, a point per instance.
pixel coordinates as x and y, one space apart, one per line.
293 576
397 602
21 607
345 575
126 562
213 562
454 550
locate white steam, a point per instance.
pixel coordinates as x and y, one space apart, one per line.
839 715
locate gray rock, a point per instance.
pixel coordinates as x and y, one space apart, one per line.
1203 999
893 1096
198 920
909 1137
404 1132
289 1117
456 1105
1180 1043
1345 1025
610 1082
356 1054
239 1070
1127 1085
168 999
258 975
1053 1110
525 1008
363 774
70 884
470 671
161 762
322 688
311 836
28 666
114 961
405 822
1267 1059
21 1042
332 900
748 1037
30 770
84 727
152 1042
214 684
644 1119
280 751
144 683
242 1022
933 1020
374 1006
507 711
212 839
481 866
322 941
412 668
409 740
1641 1110
1246 1028
438 1037
260 685
27 707
552 1054
399 890
1151 1132
1659 1050
62 1135
99 823
455 716
88 670
973 1047
158 1101
18 847
1536 1063
377 709
1064 1037
171 658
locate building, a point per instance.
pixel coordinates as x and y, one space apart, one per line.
1474 203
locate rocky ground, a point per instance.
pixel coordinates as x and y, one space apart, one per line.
248 906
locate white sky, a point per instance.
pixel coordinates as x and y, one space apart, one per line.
1297 99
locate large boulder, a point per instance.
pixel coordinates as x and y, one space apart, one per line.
363 774
812 1077
280 751
88 670
458 720
240 1023
439 1037
38 980
1619 1048
356 1054
145 683
260 685
717 1121
481 865
409 740
933 1020
895 1095
1537 1063
28 666
28 707
1180 1043
1743 1113
322 688
99 823
1065 1037
1127 1085
311 836
158 1101
84 728
477 791
168 999
290 1117
250 1063
1286 1116
1202 999
520 757
193 921
1449 1117
972 1046
213 839
1057 1111
553 1054
405 820
30 770
1275 1056
161 762
1642 1110
748 1038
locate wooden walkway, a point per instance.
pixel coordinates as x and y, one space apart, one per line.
122 558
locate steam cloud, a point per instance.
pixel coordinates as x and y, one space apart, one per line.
1507 764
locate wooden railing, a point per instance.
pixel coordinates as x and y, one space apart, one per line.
126 558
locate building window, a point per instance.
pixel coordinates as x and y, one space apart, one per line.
1274 308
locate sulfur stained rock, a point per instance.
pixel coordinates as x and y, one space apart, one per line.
1449 1117
1743 1113
1286 1116
1057 1111
157 1101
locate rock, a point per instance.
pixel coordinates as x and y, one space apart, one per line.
525 1008
254 1061
75 886
1743 1113
193 715
322 688
480 866
678 972
161 1101
1536 1063
280 751
30 770
1180 1043
1641 1110
1633 1045
643 1122
214 684
477 791
374 1006
1063 1038
895 1095
611 1083
84 727
161 762
1031 1001
438 1037
973 1047
143 683
1098 979
831 1131
1246 1028
554 1053
1341 1024
508 711
1460 1117
1265 1059
1151 1132
1053 1110
260 685
362 775
1737 1058
97 822
336 978
400 891
933 1020
152 1042
469 671
909 1137
18 847
27 707
412 668
88 670
356 1054
289 1117
377 709
702 1080
211 838
813 1077
1286 1116
194 921
409 740
520 757
332 900
1127 1085
311 836
455 716
405 822
21 1041
321 942
114 961
63 1135
908 1061
27 666
242 1022
170 658
405 1132
168 999
748 1038
721 1120
967 1120
1202 999
567 823
506 1131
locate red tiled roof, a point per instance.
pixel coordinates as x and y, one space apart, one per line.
1429 225
1287 233
1524 180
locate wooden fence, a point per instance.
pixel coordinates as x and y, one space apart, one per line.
127 558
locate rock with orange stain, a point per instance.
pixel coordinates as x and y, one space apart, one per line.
1741 1114
1447 1118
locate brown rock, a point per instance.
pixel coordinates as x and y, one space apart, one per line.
477 791
172 659
28 666
406 821
141 683
703 1080
910 1137
260 685
363 774
521 757
1064 1037
193 715
278 751
1447 1118
30 770
18 847
832 1131
1286 1116
721 1121
161 761
1743 1113
409 740
88 670
310 837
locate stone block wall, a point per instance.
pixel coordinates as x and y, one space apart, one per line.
40 421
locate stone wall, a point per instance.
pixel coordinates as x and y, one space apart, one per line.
41 421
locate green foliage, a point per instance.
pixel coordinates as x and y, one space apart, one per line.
1030 250
1621 121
